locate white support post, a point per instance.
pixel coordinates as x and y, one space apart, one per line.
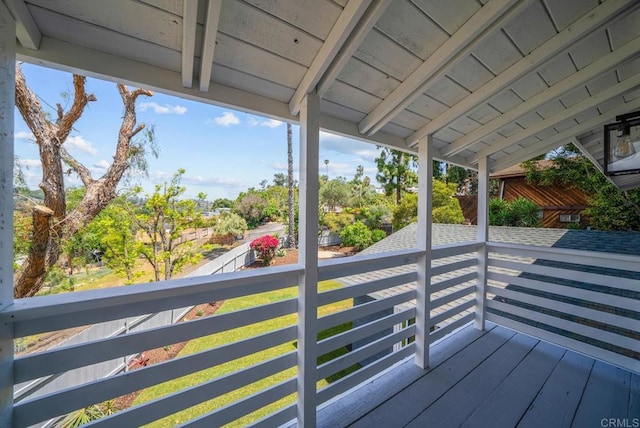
425 204
7 105
308 258
483 236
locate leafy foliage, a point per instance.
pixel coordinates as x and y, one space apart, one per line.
609 208
335 222
229 224
377 235
251 207
396 171
334 193
356 235
446 208
266 247
520 212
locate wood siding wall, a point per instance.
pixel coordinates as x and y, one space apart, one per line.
554 200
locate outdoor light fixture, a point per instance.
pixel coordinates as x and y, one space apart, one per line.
621 144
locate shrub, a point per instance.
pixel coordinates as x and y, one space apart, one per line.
356 235
520 212
230 224
378 235
336 222
266 247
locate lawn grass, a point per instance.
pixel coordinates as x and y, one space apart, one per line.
234 335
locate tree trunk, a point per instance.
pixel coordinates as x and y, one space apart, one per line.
50 137
291 237
34 269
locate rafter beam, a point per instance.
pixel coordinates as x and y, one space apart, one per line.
208 47
356 38
589 103
350 16
604 64
561 138
584 26
487 19
576 142
189 25
27 30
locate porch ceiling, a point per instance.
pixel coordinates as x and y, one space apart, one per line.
504 78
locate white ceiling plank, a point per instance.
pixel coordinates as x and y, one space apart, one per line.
354 41
346 23
208 47
27 31
563 137
189 25
61 55
437 64
565 115
570 35
575 80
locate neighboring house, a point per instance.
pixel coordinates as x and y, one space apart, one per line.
604 241
560 204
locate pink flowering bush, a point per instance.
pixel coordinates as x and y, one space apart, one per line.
266 247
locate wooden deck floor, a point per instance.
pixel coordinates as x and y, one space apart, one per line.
495 378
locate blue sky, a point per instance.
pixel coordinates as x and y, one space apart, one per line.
223 151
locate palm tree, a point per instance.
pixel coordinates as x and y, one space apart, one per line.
291 236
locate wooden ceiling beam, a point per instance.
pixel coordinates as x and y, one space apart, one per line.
563 137
604 64
575 32
354 41
589 103
347 21
189 26
209 45
491 16
27 30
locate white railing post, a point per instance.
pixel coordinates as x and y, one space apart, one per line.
483 236
423 287
308 258
7 105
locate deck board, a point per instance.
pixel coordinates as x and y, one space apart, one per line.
506 405
496 378
606 396
556 403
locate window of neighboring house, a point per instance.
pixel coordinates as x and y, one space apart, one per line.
569 218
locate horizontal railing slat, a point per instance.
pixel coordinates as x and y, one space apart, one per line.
340 267
451 312
104 389
567 325
351 291
240 408
62 359
456 249
277 418
441 332
569 274
59 311
566 291
183 399
567 308
580 257
350 336
365 309
364 373
568 343
362 353
451 267
440 301
452 282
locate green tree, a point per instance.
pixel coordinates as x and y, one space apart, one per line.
360 189
446 208
609 208
279 179
396 171
163 219
222 203
334 193
251 206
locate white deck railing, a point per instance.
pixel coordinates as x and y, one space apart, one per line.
582 300
382 331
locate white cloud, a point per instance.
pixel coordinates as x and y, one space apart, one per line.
24 135
338 144
78 143
279 166
269 123
102 164
30 163
227 119
164 109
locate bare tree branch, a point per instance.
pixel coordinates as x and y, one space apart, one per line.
82 171
80 101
